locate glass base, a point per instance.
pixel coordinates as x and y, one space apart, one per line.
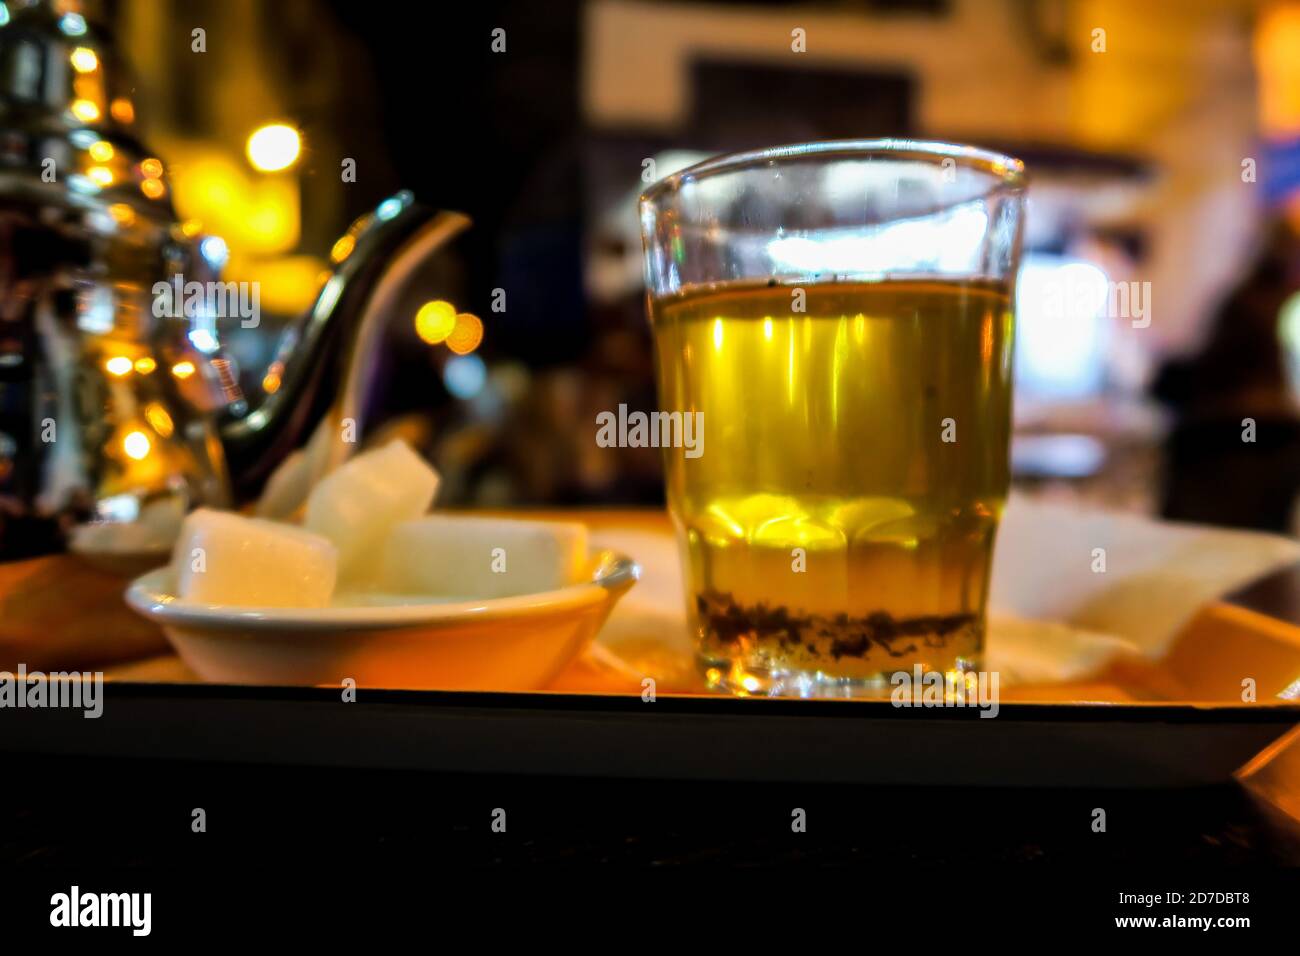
745 679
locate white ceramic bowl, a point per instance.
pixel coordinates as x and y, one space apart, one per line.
512 643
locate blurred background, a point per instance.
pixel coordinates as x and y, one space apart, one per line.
1163 141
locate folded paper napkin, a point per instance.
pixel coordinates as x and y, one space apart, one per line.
1073 590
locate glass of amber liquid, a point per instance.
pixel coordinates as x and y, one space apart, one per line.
838 317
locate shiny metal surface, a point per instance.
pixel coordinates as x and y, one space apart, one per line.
114 409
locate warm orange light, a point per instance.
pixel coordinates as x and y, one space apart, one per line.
100 175
191 227
85 110
183 370
84 60
145 365
122 214
467 334
271 383
136 445
435 321
273 225
259 216
122 110
159 419
101 151
1277 64
119 365
153 188
342 249
152 168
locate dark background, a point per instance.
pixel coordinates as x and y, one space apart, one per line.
1134 153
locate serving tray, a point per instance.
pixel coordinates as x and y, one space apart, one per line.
673 737
1180 720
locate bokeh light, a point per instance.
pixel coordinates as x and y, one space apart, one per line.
136 445
85 110
464 375
158 418
435 321
73 24
122 110
84 60
466 335
274 147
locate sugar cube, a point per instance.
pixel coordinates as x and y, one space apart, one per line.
224 558
359 503
471 557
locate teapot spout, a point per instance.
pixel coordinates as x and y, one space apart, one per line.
324 360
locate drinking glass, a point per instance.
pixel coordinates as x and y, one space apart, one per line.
836 321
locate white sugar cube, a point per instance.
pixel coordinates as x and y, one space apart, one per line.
224 558
358 504
470 557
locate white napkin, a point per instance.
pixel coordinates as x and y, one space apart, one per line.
1157 574
1052 619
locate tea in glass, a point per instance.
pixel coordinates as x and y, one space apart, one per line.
839 315
841 519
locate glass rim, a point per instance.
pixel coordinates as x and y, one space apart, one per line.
1008 171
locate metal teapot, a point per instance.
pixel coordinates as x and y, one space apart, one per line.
120 407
